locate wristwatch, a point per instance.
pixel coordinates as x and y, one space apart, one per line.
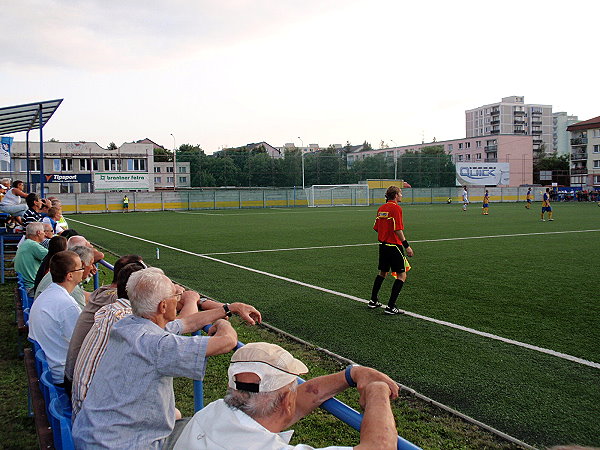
348 375
228 313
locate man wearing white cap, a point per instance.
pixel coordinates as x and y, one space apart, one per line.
263 399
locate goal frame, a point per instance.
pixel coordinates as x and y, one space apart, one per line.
319 195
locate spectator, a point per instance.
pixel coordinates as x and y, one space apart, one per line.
131 402
56 244
11 202
30 254
36 206
80 240
48 233
102 296
52 218
263 399
54 313
78 293
58 204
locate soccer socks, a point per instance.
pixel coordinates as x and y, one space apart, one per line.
396 288
376 286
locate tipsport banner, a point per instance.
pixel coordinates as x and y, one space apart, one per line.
5 149
482 174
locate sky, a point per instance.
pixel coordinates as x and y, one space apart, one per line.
224 73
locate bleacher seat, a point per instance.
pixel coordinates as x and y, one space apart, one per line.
60 421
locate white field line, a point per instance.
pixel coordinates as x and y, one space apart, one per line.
351 297
271 211
416 241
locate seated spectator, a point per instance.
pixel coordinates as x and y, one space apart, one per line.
78 293
102 296
36 207
264 398
131 403
94 343
56 244
52 218
11 202
48 234
30 254
61 220
54 313
80 240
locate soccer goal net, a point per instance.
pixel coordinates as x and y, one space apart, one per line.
338 195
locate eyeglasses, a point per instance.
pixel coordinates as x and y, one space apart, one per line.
176 296
77 270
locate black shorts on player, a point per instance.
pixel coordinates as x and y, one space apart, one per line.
391 256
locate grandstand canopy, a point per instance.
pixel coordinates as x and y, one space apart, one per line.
26 117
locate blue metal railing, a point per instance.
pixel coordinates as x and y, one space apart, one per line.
335 407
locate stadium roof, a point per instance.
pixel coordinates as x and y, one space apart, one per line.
26 117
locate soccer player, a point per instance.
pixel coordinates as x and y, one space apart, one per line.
529 198
465 197
486 203
546 205
125 204
392 243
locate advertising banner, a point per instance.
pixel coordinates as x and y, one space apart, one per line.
482 174
121 181
6 144
61 178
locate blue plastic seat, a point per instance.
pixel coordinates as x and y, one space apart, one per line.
60 421
41 364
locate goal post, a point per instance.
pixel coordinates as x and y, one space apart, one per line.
337 195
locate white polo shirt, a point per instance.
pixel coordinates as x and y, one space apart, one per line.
217 426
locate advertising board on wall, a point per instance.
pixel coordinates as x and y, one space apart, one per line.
483 174
121 181
62 178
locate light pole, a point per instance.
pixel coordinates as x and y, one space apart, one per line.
174 163
302 157
395 160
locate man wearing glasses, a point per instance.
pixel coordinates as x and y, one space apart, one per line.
54 313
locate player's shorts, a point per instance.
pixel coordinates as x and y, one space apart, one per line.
125 205
546 209
486 205
391 256
528 200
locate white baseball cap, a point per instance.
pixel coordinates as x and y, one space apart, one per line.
274 366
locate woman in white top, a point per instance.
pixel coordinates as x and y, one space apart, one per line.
11 203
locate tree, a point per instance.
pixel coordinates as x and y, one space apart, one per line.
112 146
428 167
559 165
162 155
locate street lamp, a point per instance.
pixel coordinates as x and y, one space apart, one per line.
395 160
174 163
302 157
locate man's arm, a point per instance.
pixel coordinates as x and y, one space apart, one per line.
246 312
223 338
409 250
378 427
314 392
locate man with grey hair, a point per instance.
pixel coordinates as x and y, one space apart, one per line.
139 410
80 240
263 399
30 254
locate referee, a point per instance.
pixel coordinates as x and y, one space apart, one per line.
392 243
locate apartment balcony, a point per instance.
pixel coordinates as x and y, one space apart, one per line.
495 132
583 171
518 121
538 142
536 113
536 123
536 132
579 141
495 112
491 160
519 113
519 132
495 122
578 156
491 148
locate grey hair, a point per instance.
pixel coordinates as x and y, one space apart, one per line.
75 241
33 228
86 254
5 181
146 289
258 404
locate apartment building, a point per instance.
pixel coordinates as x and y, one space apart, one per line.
165 175
515 150
560 135
585 152
77 161
513 116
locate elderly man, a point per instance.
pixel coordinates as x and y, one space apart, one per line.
131 403
54 313
80 240
263 399
30 254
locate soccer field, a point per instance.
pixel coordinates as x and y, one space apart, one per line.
503 311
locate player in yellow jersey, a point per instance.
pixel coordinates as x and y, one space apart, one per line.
546 205
486 203
529 199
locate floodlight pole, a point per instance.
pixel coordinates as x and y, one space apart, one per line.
174 163
395 160
302 157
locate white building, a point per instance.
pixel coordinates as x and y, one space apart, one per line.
513 116
585 153
560 135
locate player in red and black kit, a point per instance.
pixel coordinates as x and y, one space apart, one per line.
390 234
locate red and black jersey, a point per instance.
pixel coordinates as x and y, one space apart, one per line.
388 220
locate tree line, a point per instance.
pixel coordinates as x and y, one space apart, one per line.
429 167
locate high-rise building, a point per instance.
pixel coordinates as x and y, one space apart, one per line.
513 116
560 135
585 153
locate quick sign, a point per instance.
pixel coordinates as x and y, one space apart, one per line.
482 174
121 181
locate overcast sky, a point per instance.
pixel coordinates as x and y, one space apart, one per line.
230 72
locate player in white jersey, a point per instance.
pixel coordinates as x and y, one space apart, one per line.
465 198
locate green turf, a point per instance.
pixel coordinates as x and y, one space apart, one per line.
540 289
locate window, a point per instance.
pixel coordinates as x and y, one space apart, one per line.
477 155
460 157
184 169
4 166
183 179
596 148
596 179
478 144
596 133
169 169
156 169
467 157
450 147
460 146
112 164
88 164
467 145
67 188
64 165
136 165
169 179
34 166
158 180
85 188
597 164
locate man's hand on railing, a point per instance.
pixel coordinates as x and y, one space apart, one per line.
246 312
363 376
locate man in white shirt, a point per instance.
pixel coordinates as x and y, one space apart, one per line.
54 313
465 198
264 399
